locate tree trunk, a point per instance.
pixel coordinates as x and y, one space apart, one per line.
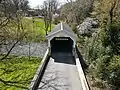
10 50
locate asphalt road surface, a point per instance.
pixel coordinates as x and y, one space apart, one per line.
61 73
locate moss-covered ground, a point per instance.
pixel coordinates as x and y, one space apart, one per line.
16 73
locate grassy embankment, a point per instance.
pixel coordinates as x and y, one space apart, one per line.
16 73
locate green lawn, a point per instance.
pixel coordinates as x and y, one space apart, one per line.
34 25
17 73
35 28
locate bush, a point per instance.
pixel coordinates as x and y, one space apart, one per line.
114 71
107 68
111 37
56 21
102 54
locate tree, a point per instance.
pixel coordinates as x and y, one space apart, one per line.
49 8
76 11
108 11
110 24
11 26
102 50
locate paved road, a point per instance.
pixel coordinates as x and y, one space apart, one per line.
61 74
36 49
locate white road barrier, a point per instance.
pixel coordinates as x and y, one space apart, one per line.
81 75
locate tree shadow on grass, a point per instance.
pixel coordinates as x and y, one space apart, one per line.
17 84
12 75
22 84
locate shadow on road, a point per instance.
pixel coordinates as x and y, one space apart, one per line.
63 57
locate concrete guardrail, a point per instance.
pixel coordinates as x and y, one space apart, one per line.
82 77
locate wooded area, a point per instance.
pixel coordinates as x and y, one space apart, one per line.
96 23
100 47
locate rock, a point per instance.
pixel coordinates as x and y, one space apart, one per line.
88 26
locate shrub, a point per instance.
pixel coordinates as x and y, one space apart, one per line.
110 36
114 71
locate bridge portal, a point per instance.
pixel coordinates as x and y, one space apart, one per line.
61 39
61 44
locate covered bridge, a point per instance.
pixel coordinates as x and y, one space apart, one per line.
61 39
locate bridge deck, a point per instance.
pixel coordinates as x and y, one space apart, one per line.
61 74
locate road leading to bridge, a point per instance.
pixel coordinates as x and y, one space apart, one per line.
61 73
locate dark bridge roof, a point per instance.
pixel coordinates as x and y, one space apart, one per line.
61 27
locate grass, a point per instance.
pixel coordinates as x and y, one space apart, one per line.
36 29
36 25
17 73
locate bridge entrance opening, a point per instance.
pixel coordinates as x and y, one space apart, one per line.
61 44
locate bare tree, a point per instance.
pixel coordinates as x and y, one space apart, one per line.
49 8
11 26
76 10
